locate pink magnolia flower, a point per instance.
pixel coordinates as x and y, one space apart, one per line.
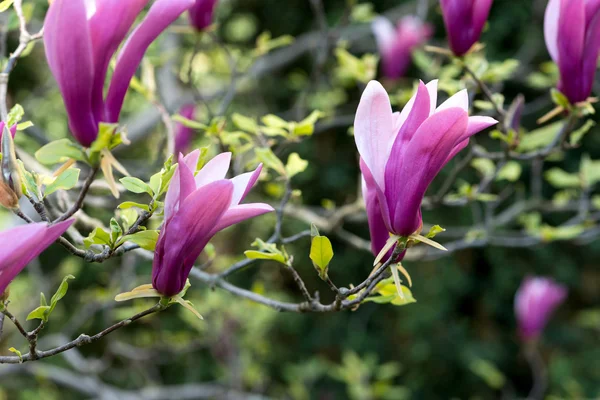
572 33
22 244
81 37
196 208
183 134
201 13
397 44
401 153
464 20
535 301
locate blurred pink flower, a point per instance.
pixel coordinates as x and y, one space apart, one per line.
396 45
201 13
572 33
464 20
535 301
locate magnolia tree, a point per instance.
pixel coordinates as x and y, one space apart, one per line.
212 155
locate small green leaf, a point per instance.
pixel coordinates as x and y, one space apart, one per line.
130 204
15 115
559 99
60 151
295 165
136 185
314 231
259 255
562 179
321 253
115 230
511 171
485 166
60 292
434 231
17 352
487 371
540 137
188 122
39 313
274 121
244 123
5 5
24 125
65 181
267 157
98 236
578 134
145 239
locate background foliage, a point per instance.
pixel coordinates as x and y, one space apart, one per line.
458 341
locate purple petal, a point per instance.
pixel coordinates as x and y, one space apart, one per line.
214 170
12 130
22 244
535 301
551 18
69 52
183 134
108 26
393 171
159 17
590 56
187 233
425 155
201 13
181 186
377 228
374 130
243 183
239 213
571 34
459 99
464 21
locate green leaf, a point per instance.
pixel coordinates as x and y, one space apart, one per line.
39 313
115 230
485 166
60 292
487 371
259 255
65 181
98 236
434 231
321 253
559 99
24 125
274 121
540 137
5 5
130 204
244 123
578 134
511 171
562 179
17 352
60 151
295 165
188 122
15 115
267 157
145 239
314 231
136 185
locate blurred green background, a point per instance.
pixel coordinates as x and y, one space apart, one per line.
458 341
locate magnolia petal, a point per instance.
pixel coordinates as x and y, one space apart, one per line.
159 17
384 32
214 170
243 183
551 18
238 213
181 186
460 100
69 53
374 130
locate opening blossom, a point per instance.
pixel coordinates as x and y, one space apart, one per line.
196 208
464 21
81 36
572 33
535 301
397 44
201 13
184 134
401 153
22 244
